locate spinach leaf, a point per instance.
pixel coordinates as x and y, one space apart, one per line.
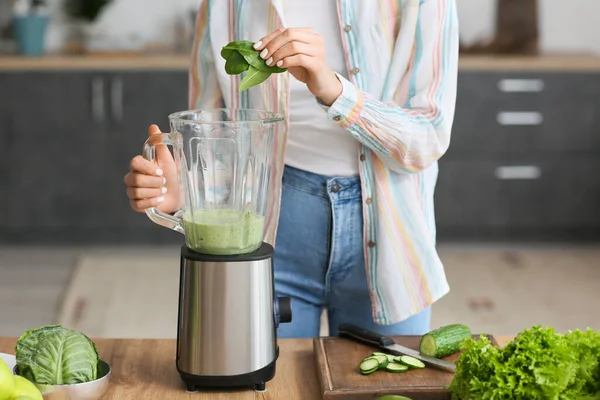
241 56
252 57
253 77
236 64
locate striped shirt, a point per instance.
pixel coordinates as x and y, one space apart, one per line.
398 102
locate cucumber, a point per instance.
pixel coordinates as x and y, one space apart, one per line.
383 361
389 356
410 362
369 365
396 367
444 341
393 397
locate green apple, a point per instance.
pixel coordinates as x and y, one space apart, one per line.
24 388
7 382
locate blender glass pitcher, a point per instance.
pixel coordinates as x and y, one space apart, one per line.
224 163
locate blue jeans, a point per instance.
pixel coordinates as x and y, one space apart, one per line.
319 260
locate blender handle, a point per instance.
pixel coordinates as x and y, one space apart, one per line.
155 215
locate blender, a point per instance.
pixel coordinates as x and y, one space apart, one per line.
228 310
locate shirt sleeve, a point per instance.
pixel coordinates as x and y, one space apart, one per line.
204 89
412 136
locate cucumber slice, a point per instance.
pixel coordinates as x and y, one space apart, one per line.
390 357
410 362
393 397
396 367
383 361
379 354
369 365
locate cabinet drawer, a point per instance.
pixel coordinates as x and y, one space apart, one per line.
468 196
538 195
548 112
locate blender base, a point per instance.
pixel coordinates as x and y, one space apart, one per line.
256 379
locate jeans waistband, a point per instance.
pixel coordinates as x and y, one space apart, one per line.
343 187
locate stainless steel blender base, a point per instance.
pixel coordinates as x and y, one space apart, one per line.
228 316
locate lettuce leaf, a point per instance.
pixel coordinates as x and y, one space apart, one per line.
538 364
53 355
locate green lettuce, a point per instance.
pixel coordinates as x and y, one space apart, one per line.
537 364
53 355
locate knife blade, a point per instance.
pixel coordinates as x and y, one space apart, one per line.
373 338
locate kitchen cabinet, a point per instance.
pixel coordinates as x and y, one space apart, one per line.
523 158
70 136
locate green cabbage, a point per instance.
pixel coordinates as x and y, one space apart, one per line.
538 364
53 355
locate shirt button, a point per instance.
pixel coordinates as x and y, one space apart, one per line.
356 70
371 244
369 200
348 28
362 157
335 188
337 118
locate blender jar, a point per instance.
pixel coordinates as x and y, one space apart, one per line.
224 162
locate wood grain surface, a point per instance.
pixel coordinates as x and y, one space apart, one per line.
145 369
337 361
561 62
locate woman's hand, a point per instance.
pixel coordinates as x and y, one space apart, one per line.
302 52
154 184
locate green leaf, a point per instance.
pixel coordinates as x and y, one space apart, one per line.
53 355
236 64
253 77
253 58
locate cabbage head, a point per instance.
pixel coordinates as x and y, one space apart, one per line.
53 355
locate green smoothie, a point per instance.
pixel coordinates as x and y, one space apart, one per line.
223 232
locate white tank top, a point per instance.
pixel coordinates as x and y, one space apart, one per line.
315 143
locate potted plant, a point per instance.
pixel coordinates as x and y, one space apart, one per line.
30 23
83 13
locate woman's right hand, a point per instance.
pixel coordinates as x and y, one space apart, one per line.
154 183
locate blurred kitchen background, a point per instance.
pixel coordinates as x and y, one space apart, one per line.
518 198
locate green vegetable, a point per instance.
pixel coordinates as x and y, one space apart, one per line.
444 341
396 367
53 355
410 362
241 57
538 364
369 365
393 397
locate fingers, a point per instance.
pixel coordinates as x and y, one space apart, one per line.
300 60
292 49
136 193
142 205
143 166
162 151
134 179
271 43
265 40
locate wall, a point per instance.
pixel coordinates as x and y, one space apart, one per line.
129 23
566 26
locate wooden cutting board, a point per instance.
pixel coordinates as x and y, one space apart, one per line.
338 359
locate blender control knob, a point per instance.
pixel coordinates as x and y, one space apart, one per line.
285 309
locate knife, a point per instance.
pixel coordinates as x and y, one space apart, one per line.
384 342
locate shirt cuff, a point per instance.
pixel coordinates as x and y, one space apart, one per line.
346 109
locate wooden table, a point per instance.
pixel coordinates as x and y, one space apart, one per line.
145 369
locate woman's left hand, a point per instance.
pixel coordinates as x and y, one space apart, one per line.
302 52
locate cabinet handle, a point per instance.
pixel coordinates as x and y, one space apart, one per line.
519 118
98 99
521 85
117 99
529 172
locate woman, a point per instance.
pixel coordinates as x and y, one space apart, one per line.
369 100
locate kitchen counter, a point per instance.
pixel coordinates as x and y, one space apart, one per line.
181 62
145 369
